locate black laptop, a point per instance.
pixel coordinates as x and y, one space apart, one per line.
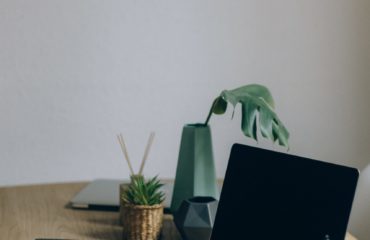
271 196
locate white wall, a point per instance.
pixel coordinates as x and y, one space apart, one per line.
75 73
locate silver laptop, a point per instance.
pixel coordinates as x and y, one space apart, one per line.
103 194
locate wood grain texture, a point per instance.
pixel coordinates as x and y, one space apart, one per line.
29 212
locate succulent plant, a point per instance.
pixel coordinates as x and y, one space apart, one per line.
143 192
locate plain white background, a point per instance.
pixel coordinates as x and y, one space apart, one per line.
73 74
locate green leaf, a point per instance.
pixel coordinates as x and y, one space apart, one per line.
251 91
141 192
249 119
219 106
257 112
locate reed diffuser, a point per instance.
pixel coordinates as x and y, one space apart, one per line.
141 209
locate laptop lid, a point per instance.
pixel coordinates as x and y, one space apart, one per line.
270 195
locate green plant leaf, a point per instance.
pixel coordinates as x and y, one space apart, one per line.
257 112
141 192
219 106
249 119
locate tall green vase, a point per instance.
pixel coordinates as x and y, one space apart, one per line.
195 174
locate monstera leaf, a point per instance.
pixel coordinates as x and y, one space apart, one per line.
257 112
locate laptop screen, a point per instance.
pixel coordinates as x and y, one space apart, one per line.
270 195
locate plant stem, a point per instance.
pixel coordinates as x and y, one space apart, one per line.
209 114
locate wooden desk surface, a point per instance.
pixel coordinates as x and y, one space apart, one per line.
39 211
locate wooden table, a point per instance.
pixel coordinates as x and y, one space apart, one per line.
30 212
40 211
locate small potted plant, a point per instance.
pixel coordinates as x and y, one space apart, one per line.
141 210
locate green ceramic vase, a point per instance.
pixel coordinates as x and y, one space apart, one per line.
195 174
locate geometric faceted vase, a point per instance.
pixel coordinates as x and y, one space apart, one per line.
195 173
195 218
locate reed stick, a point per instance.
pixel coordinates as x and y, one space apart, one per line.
147 149
125 153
